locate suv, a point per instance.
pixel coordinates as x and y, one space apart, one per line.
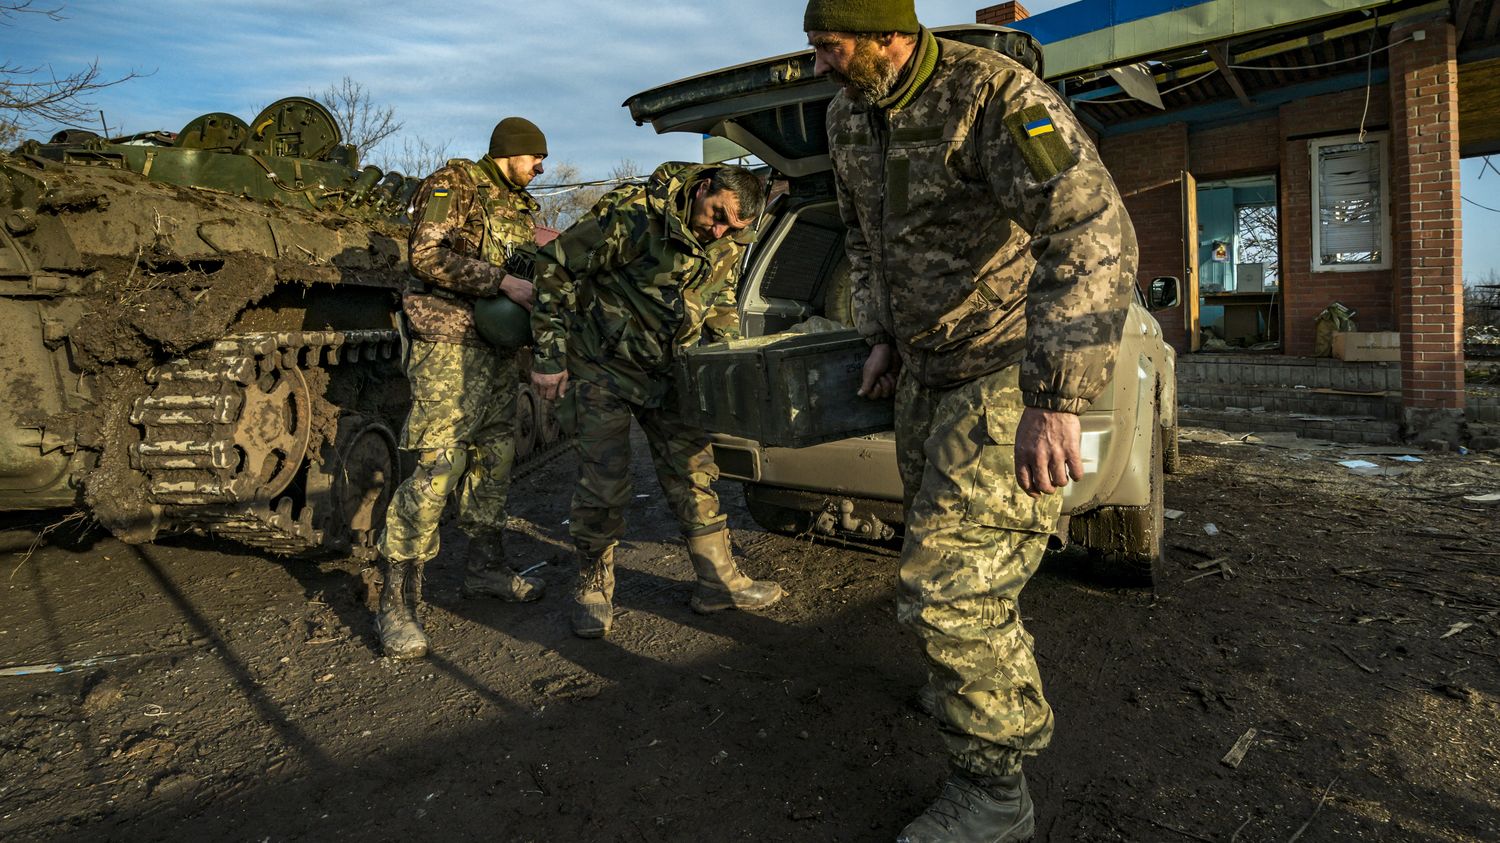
775 108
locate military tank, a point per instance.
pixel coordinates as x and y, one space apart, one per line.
203 332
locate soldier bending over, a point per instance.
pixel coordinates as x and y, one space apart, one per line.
650 269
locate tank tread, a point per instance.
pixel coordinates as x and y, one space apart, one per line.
226 433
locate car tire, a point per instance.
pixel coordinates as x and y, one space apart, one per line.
1171 453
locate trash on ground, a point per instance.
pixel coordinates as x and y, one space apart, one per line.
1236 753
1211 528
1407 458
1353 464
1492 497
1456 629
1381 471
1172 514
62 667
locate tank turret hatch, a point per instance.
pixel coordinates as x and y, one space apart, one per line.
295 127
218 132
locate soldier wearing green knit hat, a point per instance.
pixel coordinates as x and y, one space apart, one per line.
992 263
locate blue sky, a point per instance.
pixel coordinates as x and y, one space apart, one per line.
452 69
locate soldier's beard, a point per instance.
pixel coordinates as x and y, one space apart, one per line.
870 76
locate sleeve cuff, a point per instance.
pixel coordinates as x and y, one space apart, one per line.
879 339
547 366
1055 403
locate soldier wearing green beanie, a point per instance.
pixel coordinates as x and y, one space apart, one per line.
992 264
861 16
471 219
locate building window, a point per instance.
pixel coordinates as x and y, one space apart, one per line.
1351 224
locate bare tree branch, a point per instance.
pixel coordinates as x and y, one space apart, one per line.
38 95
419 157
11 8
363 123
563 201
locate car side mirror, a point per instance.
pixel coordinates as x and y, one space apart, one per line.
1165 292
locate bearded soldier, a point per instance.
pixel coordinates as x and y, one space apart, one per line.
992 262
650 269
471 217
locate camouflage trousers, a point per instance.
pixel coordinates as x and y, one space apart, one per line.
462 429
601 434
973 539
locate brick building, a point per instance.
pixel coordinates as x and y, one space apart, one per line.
1281 156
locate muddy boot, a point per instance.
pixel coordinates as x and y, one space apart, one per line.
487 575
971 809
593 595
720 584
401 635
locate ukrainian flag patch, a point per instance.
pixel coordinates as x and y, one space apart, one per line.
1039 127
1040 144
438 205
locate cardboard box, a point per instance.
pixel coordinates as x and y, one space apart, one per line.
1367 346
784 390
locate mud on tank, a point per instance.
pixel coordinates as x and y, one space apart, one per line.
201 332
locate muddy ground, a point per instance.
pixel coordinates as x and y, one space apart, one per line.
1351 620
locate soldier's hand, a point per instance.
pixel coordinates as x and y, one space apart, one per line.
550 387
518 290
879 376
1049 451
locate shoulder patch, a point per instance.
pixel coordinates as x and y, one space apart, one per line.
1046 153
438 205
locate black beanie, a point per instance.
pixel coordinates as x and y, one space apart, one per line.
860 16
517 136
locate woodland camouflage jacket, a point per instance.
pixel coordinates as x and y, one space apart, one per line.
469 220
983 229
629 283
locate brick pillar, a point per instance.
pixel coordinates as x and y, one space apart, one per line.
1428 229
1001 13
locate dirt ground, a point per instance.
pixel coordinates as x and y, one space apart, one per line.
1349 619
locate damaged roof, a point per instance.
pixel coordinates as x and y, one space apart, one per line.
1129 65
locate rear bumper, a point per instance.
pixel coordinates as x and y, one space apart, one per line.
864 467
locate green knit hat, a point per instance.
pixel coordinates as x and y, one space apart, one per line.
860 16
517 136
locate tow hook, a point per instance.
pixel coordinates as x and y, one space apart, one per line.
844 519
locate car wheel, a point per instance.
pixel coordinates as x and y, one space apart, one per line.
1171 454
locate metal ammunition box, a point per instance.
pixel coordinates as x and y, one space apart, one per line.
785 390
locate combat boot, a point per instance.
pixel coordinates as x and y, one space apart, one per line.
720 584
971 809
593 594
487 575
401 635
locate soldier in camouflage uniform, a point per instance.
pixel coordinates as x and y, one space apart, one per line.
993 263
650 269
470 218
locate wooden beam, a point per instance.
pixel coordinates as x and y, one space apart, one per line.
1463 10
1220 54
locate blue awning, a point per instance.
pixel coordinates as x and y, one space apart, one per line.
1095 34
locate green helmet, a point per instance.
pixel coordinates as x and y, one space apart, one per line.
502 322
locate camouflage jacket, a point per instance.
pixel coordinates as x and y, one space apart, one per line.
469 220
983 229
629 283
